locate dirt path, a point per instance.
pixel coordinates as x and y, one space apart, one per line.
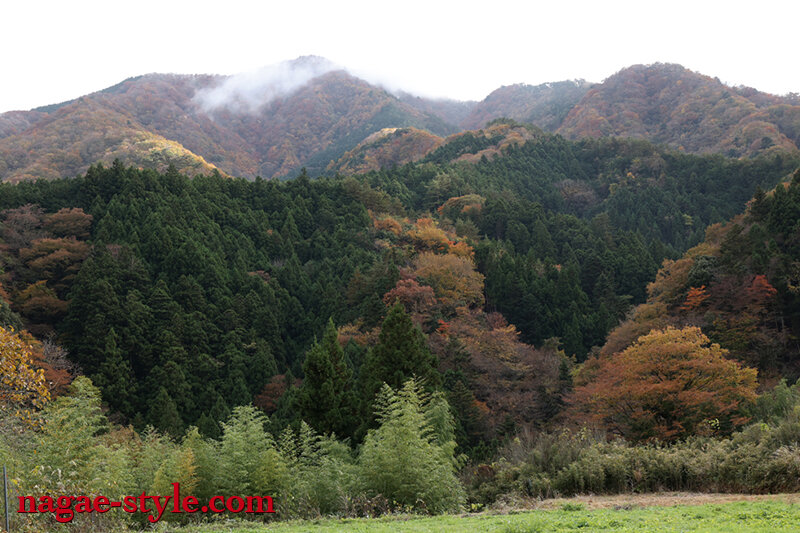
625 501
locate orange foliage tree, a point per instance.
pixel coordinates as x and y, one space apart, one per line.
69 222
388 224
508 378
459 206
461 249
426 235
667 385
760 293
57 260
695 298
22 225
415 298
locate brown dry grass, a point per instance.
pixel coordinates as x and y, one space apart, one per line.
661 499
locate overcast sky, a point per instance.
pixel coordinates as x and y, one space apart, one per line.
51 51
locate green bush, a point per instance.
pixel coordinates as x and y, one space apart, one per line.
760 458
406 460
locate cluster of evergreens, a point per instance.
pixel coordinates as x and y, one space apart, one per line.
196 292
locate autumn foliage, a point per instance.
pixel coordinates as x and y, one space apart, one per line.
415 298
426 235
22 387
669 384
695 298
454 279
760 293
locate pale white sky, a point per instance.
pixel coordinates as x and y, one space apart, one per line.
51 51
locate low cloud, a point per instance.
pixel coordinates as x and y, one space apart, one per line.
249 91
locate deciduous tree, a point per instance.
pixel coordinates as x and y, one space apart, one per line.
22 387
667 385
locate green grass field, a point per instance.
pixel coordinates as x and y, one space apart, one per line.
766 516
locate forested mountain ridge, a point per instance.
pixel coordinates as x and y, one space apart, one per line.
392 147
544 105
308 126
274 130
663 103
670 104
386 148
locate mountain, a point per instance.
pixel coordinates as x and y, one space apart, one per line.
66 141
310 113
670 104
663 103
14 122
544 105
451 111
301 113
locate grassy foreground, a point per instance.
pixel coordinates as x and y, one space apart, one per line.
775 515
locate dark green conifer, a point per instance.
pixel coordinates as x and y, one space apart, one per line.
164 415
325 399
401 353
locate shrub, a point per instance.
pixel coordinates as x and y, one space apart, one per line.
405 459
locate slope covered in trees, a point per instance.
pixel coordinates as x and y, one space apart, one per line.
247 126
667 103
190 294
310 126
575 230
738 285
403 324
544 106
67 141
183 298
387 148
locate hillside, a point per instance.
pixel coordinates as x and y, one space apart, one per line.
554 228
418 337
386 148
663 103
309 124
392 147
451 111
66 141
544 105
308 113
670 104
739 286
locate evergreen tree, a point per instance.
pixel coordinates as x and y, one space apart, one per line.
208 427
164 414
401 353
325 399
115 378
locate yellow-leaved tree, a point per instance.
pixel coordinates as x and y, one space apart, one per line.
22 387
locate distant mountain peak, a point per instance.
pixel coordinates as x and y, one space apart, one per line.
671 104
312 61
249 91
